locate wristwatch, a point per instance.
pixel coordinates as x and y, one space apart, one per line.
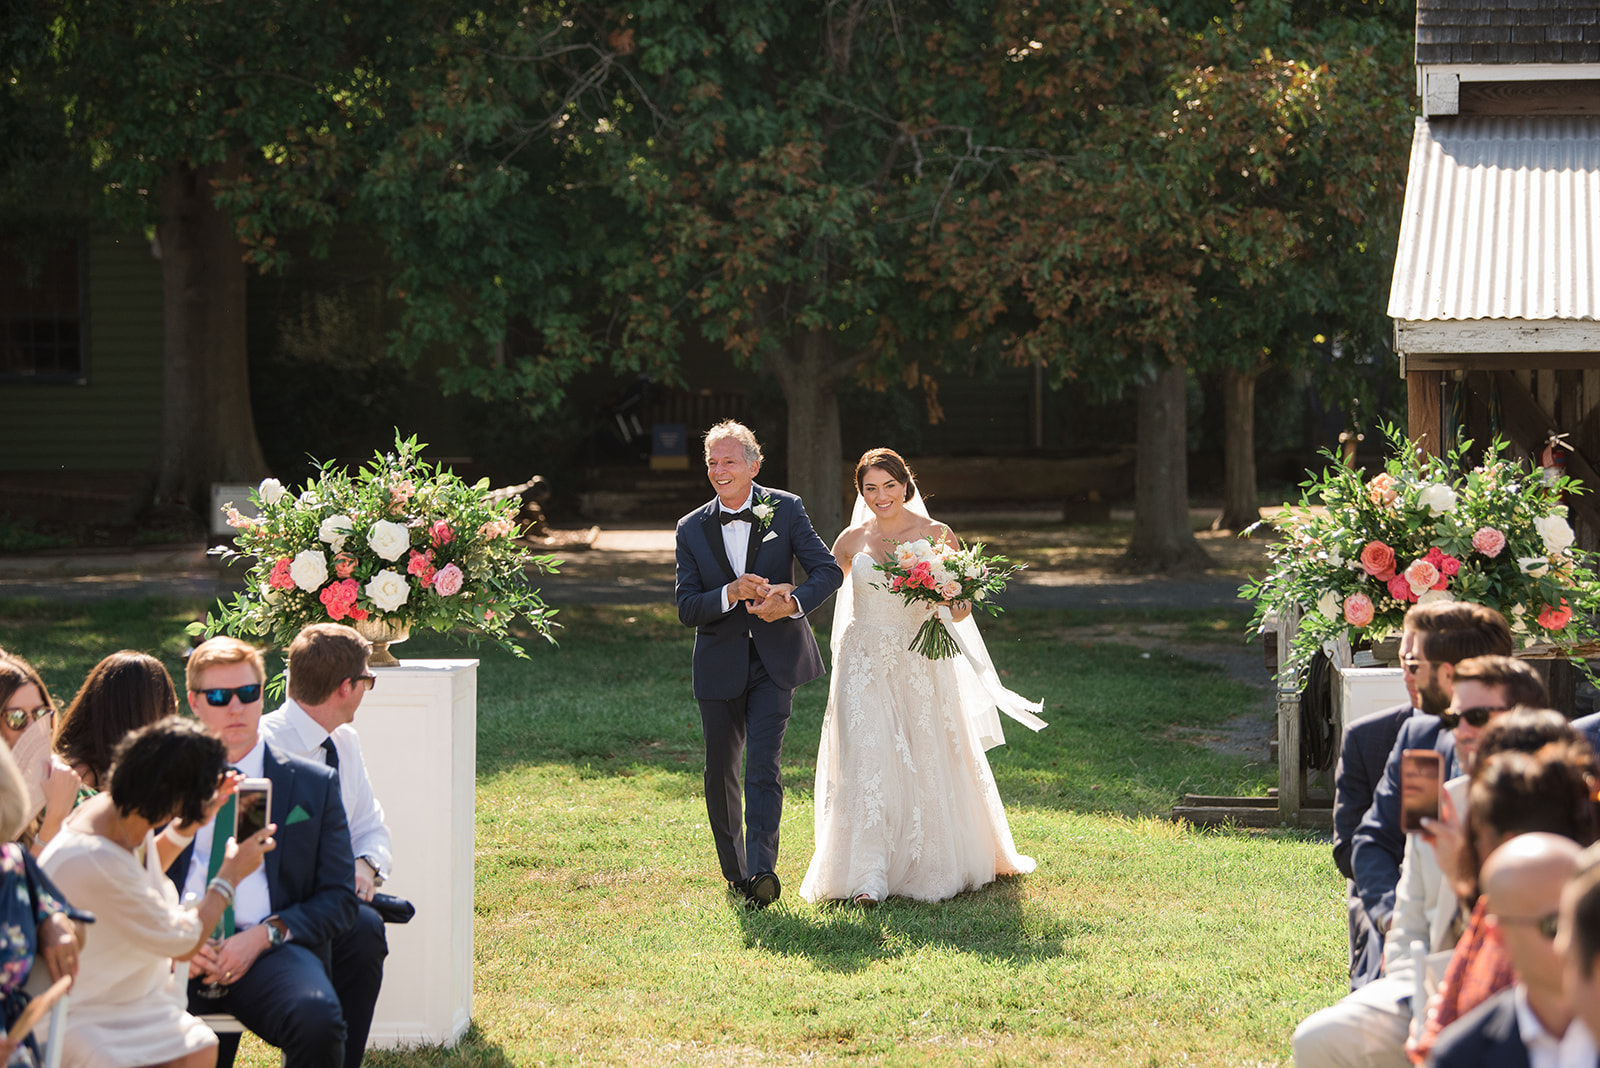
277 932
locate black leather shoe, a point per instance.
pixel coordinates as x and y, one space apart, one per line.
737 888
763 889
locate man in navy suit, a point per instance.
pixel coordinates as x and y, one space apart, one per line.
272 970
1533 1019
752 646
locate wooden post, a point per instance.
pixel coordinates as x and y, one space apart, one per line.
1291 780
1425 409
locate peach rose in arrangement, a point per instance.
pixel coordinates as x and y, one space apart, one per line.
1489 541
1358 611
344 565
1377 560
1553 618
1382 490
1421 576
280 579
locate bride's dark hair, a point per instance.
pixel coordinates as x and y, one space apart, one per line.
890 461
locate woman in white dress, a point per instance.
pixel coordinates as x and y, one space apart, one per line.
906 805
128 1005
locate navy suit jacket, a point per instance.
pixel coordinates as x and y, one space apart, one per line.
722 639
311 875
1486 1037
1379 844
1362 756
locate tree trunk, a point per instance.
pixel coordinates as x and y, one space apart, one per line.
207 430
1163 540
1239 501
809 374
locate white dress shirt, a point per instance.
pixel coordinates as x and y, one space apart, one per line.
291 729
1575 1049
252 899
736 540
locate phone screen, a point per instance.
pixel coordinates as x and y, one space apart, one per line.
1421 773
253 803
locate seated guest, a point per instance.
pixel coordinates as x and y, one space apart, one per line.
328 676
1447 633
34 916
1530 1021
1578 939
122 693
127 1005
24 700
1512 793
1363 752
271 968
1370 1026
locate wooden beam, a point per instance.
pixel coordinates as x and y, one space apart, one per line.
1413 336
1529 425
1564 97
1425 408
1502 361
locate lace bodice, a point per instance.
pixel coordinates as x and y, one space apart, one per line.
875 606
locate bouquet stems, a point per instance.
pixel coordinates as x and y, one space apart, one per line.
933 641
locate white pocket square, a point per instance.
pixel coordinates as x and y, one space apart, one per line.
770 535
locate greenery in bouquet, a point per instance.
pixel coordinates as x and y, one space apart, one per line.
400 541
935 573
1358 552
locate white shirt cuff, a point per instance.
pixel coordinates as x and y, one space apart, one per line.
727 603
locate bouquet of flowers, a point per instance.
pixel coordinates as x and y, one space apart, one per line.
1358 552
934 573
401 543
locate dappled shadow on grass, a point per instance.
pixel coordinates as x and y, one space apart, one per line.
473 1051
992 922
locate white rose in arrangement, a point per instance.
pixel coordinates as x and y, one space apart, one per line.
1519 610
1335 558
334 530
1556 532
309 570
762 512
388 590
1436 597
268 594
1437 499
1533 565
389 540
270 491
1330 604
308 498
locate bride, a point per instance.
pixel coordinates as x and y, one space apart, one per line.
905 802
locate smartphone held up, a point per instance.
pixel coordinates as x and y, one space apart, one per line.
252 809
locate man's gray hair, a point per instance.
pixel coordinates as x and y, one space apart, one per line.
730 428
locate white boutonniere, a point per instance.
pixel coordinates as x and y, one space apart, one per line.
764 509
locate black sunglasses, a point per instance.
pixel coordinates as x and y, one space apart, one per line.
370 679
219 696
1546 924
17 719
1477 717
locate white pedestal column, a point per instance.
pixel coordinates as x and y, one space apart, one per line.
419 731
1358 691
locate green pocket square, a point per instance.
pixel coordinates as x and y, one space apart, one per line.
296 815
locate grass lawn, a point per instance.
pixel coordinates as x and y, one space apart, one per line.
604 936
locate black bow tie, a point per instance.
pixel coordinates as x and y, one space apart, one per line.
746 516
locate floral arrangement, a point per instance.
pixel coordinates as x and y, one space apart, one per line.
400 542
1358 552
934 573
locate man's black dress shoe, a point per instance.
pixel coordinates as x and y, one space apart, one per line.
763 889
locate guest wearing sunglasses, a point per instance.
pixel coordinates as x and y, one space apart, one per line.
272 973
122 693
328 677
25 701
1530 1022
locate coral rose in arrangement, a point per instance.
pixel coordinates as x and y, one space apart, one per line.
1377 560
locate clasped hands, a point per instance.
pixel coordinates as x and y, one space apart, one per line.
769 601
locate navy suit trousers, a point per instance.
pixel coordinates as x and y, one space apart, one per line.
287 998
750 725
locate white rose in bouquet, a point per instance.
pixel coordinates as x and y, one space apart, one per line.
335 529
388 589
1556 532
1331 604
270 491
1437 499
1436 597
389 540
309 570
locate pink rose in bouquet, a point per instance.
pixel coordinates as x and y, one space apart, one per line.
1448 565
1488 541
441 534
1400 589
1553 618
447 583
339 598
1377 560
1358 610
280 579
344 565
421 565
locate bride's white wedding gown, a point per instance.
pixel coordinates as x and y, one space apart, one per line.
906 805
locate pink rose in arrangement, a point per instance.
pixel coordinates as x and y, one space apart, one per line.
1381 490
441 534
1421 577
1488 541
950 589
1448 565
1400 589
280 579
447 583
358 614
1377 560
344 565
339 598
1358 611
1553 618
421 566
